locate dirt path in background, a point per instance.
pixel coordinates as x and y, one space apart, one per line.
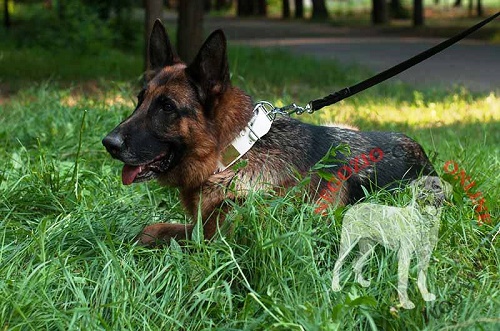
473 63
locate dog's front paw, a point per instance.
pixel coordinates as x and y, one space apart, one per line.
428 297
336 284
364 282
160 234
407 304
153 235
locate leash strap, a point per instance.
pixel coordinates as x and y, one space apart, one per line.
265 112
335 97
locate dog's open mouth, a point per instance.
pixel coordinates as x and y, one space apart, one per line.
148 171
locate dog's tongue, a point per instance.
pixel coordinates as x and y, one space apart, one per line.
129 173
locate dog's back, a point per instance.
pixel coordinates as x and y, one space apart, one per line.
295 146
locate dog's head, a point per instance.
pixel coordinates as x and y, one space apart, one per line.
175 116
431 191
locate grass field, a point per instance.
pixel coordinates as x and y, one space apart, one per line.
68 262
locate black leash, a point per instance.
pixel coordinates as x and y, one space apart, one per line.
335 97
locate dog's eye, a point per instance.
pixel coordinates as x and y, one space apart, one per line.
167 105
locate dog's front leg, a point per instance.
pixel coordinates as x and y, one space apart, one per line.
365 251
207 201
404 258
161 233
347 243
423 263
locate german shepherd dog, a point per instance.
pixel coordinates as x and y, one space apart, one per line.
187 115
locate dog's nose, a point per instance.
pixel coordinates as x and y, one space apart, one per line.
114 143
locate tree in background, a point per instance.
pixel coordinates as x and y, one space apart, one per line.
396 10
286 9
207 5
6 14
251 8
379 12
319 9
479 6
189 28
153 10
244 8
261 7
299 8
418 12
223 4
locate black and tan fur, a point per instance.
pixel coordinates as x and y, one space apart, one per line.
185 117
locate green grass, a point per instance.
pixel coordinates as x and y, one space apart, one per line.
68 261
67 66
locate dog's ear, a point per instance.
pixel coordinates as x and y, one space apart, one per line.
161 52
210 67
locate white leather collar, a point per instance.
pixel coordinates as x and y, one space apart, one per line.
258 126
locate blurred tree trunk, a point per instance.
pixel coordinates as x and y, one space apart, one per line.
252 7
6 14
245 8
457 3
418 12
396 9
395 5
221 4
207 6
261 8
379 12
319 9
479 8
189 28
153 10
286 9
299 8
